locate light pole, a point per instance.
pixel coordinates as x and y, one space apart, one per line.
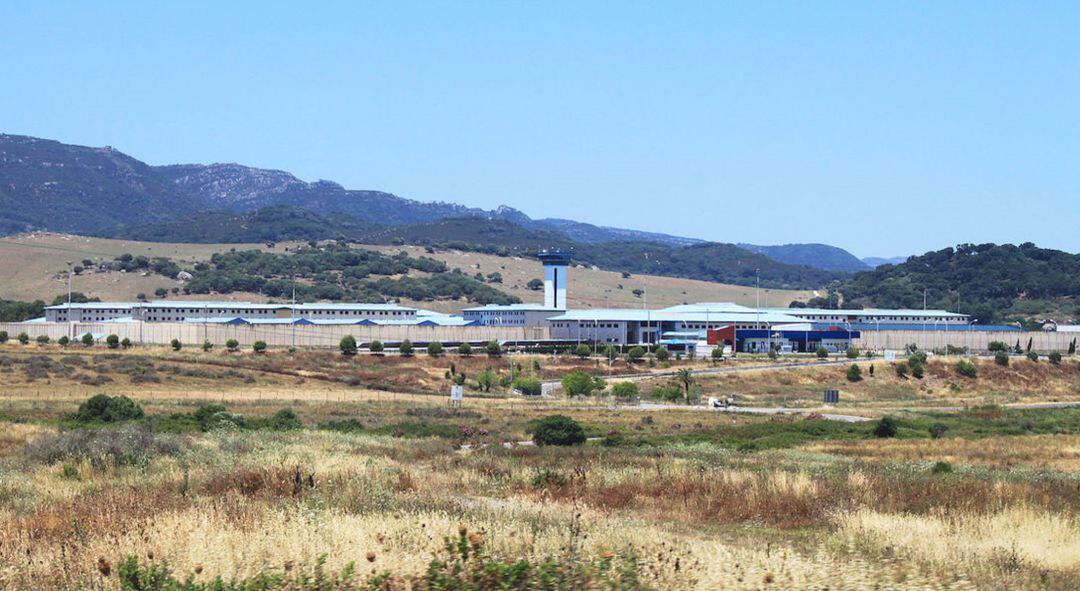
70 318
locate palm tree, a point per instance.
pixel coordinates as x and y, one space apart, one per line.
686 377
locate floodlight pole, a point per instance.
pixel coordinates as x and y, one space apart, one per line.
71 323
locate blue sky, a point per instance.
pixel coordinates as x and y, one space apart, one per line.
883 128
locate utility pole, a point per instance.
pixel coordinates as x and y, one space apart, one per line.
71 322
292 312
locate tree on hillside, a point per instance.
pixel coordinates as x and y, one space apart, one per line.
348 345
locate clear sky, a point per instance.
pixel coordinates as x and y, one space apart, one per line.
884 128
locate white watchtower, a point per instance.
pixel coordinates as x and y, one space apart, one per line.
555 265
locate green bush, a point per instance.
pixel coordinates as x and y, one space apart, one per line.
493 348
284 420
611 353
902 369
376 346
232 345
464 349
1054 357
822 353
1001 358
666 393
773 355
259 346
108 409
63 341
917 370
3 337
662 353
558 430
967 369
347 345
112 341
23 338
42 339
886 427
1033 356
579 383
207 346
528 386
852 353
941 467
854 374
635 354
625 390
435 349
485 380
582 350
406 348
717 352
175 344
995 346
938 430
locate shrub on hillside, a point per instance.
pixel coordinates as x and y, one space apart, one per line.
582 350
1054 357
464 349
822 353
625 390
902 370
347 345
1032 355
579 383
259 346
376 347
917 370
406 348
232 345
662 353
103 448
493 348
435 349
175 344
528 386
63 341
42 339
23 338
635 354
3 337
967 369
558 430
996 346
283 420
108 409
1001 358
112 341
854 374
667 393
886 427
852 353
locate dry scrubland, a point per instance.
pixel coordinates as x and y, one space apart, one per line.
681 499
31 262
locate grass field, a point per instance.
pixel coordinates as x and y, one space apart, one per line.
34 267
418 495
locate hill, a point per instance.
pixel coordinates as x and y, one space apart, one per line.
874 262
818 256
269 224
992 282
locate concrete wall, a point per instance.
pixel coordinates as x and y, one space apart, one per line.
162 333
974 340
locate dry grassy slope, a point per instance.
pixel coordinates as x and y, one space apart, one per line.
594 288
32 266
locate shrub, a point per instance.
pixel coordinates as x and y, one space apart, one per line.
125 343
232 345
112 341
967 369
917 370
773 354
1001 358
901 369
376 346
3 337
635 354
917 357
611 352
23 338
464 349
87 340
1054 357
485 380
103 448
284 420
852 353
995 346
662 353
579 383
206 346
1032 355
558 430
941 467
406 348
582 350
493 348
259 346
63 341
625 390
854 374
42 339
886 427
717 352
435 349
822 353
938 430
108 409
666 393
347 344
528 386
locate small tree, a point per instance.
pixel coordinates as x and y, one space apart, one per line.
902 370
347 345
125 343
635 353
995 346
406 348
485 380
528 386
854 374
917 370
259 346
579 383
112 341
852 353
376 347
886 427
42 339
1001 358
63 341
662 353
493 348
822 352
1032 355
626 390
206 346
1072 347
1030 339
464 349
23 338
558 430
717 353
611 353
232 345
535 284
88 340
582 351
967 369
3 337
1054 357
686 378
175 344
435 349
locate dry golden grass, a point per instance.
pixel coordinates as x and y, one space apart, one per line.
1057 452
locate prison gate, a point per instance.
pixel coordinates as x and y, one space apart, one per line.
275 335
